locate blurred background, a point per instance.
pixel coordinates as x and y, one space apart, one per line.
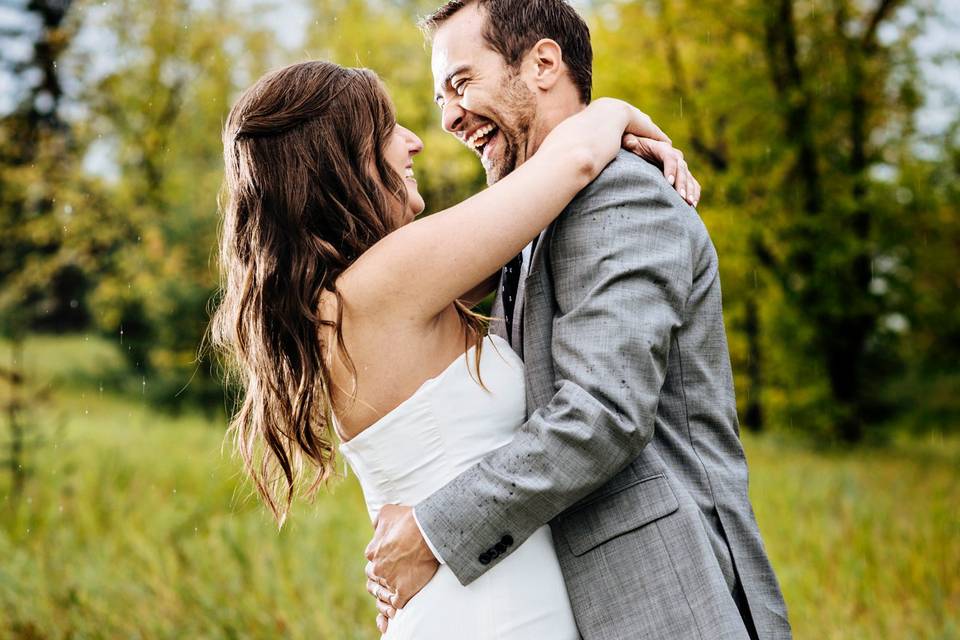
826 134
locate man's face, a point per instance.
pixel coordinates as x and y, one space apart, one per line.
484 103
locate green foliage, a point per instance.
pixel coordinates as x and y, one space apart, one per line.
38 162
838 528
922 277
159 111
136 527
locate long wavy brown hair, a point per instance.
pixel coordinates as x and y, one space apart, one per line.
307 190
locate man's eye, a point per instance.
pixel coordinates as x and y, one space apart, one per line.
459 87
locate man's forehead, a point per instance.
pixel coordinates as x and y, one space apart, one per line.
458 42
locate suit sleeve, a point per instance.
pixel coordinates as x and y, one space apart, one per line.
620 259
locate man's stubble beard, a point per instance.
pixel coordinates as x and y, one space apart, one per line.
520 109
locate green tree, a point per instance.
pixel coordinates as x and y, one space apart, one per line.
159 111
37 271
35 150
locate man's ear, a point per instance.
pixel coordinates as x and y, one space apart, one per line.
544 64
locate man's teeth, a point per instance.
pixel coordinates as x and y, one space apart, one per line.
408 173
479 136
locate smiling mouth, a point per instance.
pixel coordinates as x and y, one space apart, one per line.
481 137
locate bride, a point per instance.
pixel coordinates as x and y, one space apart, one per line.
348 319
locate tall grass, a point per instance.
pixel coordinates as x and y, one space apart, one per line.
136 525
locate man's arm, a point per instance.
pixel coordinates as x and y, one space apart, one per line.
621 260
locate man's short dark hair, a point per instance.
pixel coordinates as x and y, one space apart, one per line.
512 27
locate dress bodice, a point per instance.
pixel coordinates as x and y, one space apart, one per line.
445 427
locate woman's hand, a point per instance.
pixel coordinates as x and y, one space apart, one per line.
658 149
608 125
670 160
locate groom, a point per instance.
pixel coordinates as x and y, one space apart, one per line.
631 449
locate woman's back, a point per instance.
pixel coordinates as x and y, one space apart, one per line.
391 358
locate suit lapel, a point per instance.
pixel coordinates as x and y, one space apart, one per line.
532 270
516 338
542 242
498 325
537 326
529 265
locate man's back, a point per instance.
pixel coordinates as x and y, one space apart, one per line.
624 299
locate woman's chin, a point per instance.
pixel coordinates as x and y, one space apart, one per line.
417 205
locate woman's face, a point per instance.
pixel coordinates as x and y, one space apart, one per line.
403 145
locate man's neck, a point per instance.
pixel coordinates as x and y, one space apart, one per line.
549 117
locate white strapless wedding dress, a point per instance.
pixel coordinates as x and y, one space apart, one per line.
444 428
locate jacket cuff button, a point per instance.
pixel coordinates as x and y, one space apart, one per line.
507 540
484 559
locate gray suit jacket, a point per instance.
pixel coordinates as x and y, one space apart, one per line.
631 450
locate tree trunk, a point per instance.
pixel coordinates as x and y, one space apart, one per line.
751 326
14 406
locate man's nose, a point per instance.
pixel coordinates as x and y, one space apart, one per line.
452 118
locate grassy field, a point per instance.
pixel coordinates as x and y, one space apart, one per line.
136 525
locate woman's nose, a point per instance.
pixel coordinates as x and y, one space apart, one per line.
416 144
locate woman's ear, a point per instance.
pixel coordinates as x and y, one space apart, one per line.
544 64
